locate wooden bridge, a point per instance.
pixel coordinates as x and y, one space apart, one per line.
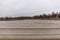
29 33
22 30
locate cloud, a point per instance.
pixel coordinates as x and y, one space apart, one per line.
27 7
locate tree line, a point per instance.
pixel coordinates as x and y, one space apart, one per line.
53 15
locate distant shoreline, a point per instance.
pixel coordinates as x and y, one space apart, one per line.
30 19
53 16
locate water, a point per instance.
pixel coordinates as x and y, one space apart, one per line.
30 24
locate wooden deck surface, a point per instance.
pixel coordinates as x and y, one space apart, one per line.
29 33
23 31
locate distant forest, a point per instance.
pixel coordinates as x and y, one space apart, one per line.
53 15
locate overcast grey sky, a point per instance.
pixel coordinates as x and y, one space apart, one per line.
28 7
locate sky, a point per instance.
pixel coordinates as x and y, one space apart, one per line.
12 8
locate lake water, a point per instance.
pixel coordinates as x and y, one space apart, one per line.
30 24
